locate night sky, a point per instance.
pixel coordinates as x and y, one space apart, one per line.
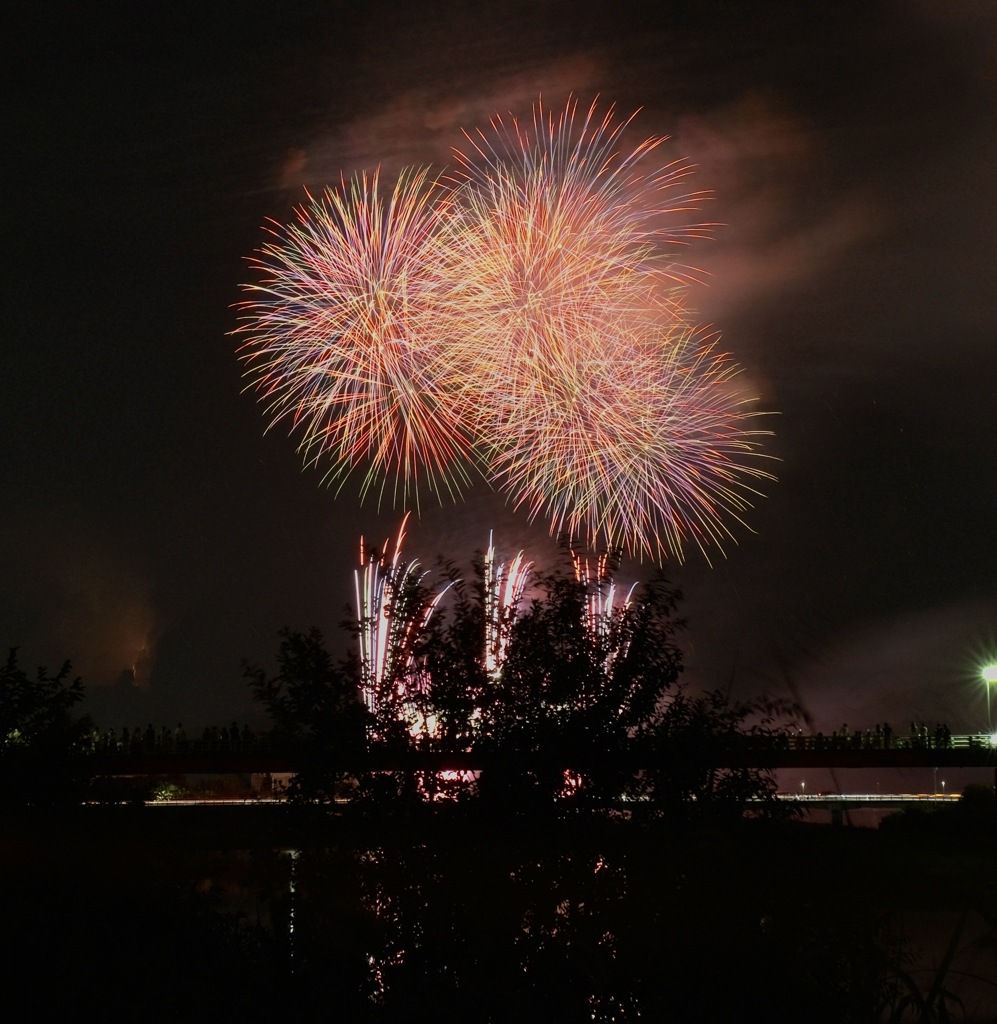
152 534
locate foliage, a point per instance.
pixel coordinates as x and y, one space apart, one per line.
451 669
970 820
32 710
586 685
691 755
387 668
904 1000
582 709
579 680
42 747
316 710
163 792
587 701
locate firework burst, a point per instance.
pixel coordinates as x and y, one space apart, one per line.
521 320
560 241
648 453
344 336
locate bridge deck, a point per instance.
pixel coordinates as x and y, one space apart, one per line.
715 755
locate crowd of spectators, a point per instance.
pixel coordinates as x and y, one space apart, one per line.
880 737
214 739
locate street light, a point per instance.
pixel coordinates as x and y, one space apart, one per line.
989 673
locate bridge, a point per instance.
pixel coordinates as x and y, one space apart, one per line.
857 801
805 752
784 752
810 801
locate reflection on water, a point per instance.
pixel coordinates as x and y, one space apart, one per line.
468 926
486 921
592 926
537 924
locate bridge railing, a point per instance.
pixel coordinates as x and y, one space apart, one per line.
870 740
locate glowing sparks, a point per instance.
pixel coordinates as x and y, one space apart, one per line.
645 453
395 605
343 336
504 586
562 241
392 610
601 604
524 321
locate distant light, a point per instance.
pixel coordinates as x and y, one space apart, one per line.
989 673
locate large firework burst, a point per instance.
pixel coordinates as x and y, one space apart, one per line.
524 320
561 242
344 336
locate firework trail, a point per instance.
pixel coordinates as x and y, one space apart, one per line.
344 336
601 606
504 586
522 320
392 610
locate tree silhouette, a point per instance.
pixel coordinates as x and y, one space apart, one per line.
567 697
42 747
686 756
581 679
316 710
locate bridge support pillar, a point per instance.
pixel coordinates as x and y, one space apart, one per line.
837 816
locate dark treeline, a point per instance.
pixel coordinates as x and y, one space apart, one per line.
568 698
43 744
563 695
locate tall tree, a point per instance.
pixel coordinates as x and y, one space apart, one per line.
583 671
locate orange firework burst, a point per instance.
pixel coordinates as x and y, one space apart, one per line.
344 336
607 414
560 241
